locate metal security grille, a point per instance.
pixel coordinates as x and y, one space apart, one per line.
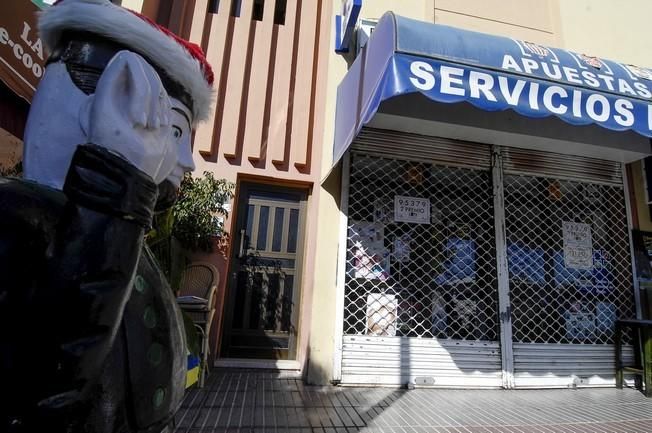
420 251
569 259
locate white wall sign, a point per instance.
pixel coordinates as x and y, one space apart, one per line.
578 245
411 210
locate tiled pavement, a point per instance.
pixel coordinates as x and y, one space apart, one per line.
247 401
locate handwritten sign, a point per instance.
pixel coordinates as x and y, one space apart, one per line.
578 245
411 210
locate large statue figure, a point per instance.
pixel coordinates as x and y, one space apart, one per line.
91 338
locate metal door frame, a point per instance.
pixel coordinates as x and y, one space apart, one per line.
245 187
502 270
341 267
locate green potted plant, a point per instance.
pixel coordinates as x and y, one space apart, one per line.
194 224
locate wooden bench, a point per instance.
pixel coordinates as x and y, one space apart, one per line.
644 331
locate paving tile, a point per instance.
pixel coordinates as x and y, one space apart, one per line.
249 401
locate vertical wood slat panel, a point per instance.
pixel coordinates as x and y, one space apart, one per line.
281 80
303 85
205 133
231 109
271 220
199 21
255 105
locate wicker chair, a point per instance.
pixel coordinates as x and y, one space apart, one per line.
198 290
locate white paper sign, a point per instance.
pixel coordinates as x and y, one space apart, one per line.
381 314
411 210
578 245
402 248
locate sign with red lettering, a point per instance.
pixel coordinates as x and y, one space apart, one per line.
22 56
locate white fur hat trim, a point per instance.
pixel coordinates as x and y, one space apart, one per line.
103 18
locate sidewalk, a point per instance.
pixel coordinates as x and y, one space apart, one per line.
253 401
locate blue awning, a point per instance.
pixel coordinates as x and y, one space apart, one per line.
492 73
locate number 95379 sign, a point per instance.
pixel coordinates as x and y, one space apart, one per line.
411 210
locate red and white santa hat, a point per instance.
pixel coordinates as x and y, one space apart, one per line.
183 61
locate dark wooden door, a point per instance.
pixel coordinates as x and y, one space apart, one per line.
264 289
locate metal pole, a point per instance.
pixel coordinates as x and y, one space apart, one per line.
341 267
505 313
628 207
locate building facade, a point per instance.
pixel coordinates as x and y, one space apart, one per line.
475 282
265 136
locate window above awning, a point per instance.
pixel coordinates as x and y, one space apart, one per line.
492 73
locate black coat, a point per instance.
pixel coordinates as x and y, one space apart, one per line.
91 338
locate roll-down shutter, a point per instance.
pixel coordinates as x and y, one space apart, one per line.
413 314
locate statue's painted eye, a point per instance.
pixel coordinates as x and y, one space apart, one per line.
177 132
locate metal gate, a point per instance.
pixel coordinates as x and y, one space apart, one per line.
427 296
570 271
420 290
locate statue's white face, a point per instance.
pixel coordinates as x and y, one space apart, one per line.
182 132
129 113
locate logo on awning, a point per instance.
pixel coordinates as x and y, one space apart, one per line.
591 61
537 49
639 72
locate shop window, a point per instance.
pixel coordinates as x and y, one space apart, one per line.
421 259
258 10
279 12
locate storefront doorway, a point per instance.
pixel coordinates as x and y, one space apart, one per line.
471 265
264 291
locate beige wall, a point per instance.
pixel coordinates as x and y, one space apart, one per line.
612 29
417 9
531 20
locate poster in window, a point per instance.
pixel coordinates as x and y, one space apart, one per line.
602 273
459 264
371 260
383 211
643 257
526 264
402 248
411 209
438 317
605 317
382 311
580 322
598 280
578 245
465 313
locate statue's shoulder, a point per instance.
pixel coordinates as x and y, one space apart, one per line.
30 204
24 198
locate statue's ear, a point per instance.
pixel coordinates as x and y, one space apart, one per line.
122 92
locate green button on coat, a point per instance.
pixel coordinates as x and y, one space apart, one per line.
140 284
159 397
